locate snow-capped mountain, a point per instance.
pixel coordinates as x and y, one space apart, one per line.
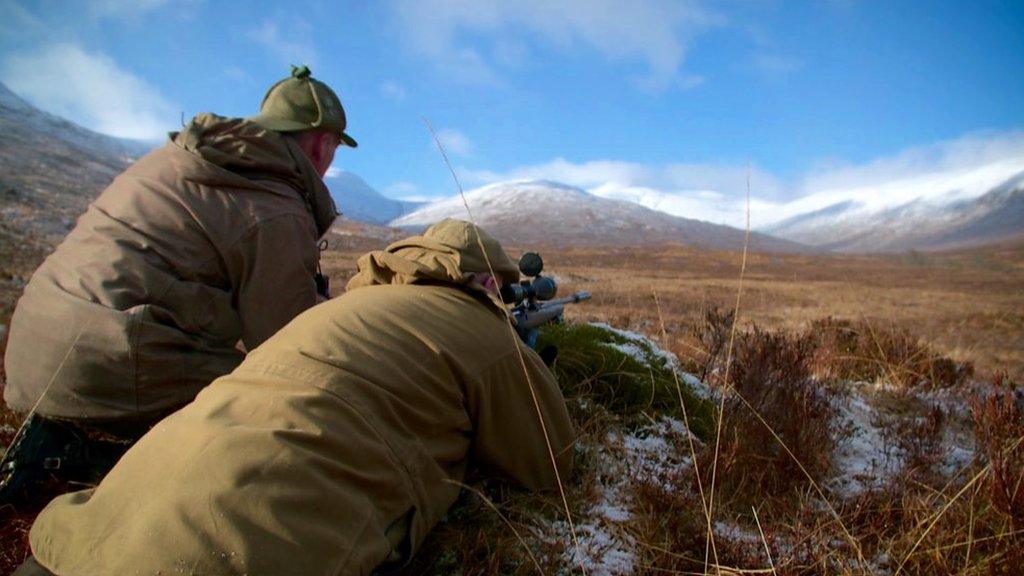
531 212
359 201
975 208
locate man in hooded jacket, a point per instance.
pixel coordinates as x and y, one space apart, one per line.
206 242
337 445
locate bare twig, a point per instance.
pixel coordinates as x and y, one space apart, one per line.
725 385
686 419
519 351
764 540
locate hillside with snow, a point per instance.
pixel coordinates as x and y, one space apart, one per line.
545 212
933 212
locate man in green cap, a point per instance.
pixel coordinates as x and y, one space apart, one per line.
340 443
205 243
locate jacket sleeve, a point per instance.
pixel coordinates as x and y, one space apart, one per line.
273 268
509 439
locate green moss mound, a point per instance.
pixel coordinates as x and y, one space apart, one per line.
626 376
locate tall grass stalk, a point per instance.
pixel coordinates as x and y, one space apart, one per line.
515 344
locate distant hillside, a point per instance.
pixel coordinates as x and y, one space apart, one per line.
543 212
348 235
50 169
957 214
359 201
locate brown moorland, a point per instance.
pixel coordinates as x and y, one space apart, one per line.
891 316
968 305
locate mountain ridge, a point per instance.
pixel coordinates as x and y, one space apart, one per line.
359 201
923 223
544 211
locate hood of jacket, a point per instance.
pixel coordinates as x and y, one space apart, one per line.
448 252
243 147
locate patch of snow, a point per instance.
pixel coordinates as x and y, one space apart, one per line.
647 455
736 533
698 386
632 350
956 459
642 348
503 200
600 551
859 460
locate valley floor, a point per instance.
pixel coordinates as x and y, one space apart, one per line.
876 371
968 305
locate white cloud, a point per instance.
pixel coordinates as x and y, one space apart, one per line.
418 198
957 169
333 172
510 52
393 90
402 190
948 171
91 89
294 47
455 143
133 11
657 32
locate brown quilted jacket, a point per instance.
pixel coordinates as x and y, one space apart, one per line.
204 242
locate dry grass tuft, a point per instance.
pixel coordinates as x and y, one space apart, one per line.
999 430
772 372
860 351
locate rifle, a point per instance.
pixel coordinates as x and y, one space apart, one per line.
534 299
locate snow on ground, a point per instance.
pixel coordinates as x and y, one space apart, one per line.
642 343
866 460
659 451
650 454
643 350
859 461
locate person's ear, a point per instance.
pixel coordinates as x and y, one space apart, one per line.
323 151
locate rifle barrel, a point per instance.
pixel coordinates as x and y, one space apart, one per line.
571 299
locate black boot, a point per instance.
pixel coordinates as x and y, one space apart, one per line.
48 457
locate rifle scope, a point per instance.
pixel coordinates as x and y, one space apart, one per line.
540 288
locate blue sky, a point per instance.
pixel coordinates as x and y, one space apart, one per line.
675 99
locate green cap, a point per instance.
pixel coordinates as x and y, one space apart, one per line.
301 102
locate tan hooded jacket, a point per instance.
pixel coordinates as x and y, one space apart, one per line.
206 241
335 446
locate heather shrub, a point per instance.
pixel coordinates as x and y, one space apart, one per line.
769 382
861 351
999 431
709 338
